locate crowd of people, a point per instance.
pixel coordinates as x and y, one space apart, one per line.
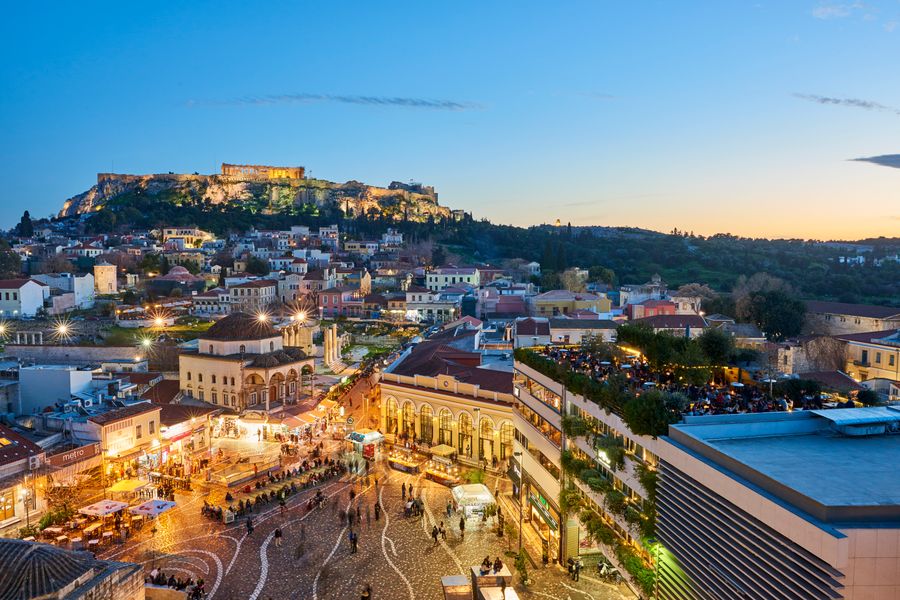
193 589
636 376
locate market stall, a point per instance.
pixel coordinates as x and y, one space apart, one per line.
472 498
128 488
366 442
441 468
404 459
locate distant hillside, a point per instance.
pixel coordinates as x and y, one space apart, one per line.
258 195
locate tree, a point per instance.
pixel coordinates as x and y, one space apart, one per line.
716 345
776 313
572 281
652 412
701 290
56 263
438 256
257 266
868 397
10 263
103 221
602 275
745 288
825 353
25 228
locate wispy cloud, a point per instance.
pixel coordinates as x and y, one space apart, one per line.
389 101
836 10
885 160
849 102
890 26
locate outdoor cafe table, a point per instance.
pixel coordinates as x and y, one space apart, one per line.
53 531
441 477
90 529
62 539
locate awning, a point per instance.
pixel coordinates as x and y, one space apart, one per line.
103 508
443 450
326 405
472 494
128 485
295 421
545 514
152 508
365 436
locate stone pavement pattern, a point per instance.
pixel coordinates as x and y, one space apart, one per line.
396 556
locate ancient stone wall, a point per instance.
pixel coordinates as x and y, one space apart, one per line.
262 171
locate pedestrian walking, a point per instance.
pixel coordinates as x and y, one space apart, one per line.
354 540
443 531
434 534
576 570
449 509
249 525
403 491
377 511
462 528
368 515
277 537
366 593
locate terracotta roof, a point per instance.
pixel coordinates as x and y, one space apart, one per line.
123 413
854 310
531 326
14 284
870 337
239 326
17 447
142 378
164 392
674 321
835 380
259 283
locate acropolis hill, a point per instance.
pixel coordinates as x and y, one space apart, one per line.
265 188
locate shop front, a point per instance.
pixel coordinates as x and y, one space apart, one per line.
366 443
544 518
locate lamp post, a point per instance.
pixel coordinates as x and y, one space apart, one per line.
518 456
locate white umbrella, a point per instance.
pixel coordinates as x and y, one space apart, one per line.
605 362
626 366
152 508
103 508
737 384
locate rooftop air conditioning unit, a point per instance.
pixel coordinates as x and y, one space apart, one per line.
34 462
87 403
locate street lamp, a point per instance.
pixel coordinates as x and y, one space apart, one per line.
518 456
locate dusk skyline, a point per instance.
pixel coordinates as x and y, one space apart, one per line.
745 119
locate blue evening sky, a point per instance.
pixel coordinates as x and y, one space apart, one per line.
706 116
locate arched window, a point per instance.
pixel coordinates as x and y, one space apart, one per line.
426 424
390 416
271 346
507 431
210 348
409 420
445 427
243 348
465 435
486 439
188 375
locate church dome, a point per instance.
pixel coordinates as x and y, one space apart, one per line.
240 326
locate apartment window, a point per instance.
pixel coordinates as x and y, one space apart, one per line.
152 428
891 360
215 398
210 348
137 431
200 377
878 358
201 395
242 350
864 359
188 375
232 381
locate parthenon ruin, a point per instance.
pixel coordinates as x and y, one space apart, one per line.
263 171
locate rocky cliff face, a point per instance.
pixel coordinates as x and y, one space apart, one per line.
415 202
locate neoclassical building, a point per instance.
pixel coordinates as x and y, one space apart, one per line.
438 393
241 362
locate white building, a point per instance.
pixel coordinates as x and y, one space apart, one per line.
444 277
42 386
21 297
82 286
105 278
